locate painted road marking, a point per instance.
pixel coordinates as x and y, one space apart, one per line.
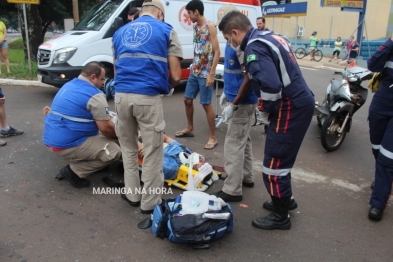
311 178
308 68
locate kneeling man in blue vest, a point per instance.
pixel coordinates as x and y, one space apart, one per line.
78 113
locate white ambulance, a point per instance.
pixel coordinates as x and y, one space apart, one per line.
61 58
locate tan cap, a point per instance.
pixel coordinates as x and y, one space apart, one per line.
225 9
155 3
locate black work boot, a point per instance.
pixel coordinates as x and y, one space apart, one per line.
269 205
375 213
279 219
67 173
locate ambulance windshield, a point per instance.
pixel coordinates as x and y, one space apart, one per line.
97 16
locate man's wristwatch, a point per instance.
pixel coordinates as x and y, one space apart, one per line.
235 107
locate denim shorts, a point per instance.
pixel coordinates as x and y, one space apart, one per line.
4 44
1 94
196 85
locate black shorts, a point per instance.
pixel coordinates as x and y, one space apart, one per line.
336 52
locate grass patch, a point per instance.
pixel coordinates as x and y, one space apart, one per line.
17 44
16 56
20 71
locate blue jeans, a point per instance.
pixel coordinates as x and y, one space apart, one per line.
2 96
4 44
196 85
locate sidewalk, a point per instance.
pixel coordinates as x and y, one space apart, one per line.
323 64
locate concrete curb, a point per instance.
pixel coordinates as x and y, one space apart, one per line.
15 82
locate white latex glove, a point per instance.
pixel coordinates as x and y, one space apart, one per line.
113 116
170 92
264 117
223 101
227 113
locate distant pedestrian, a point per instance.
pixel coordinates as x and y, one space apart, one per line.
4 47
6 130
313 44
348 47
337 48
353 52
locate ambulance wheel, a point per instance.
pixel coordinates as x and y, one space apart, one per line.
108 78
108 73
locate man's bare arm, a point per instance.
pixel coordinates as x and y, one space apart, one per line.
216 47
107 128
175 70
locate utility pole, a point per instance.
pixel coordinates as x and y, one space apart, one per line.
362 17
75 11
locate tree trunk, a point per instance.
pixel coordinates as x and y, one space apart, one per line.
34 27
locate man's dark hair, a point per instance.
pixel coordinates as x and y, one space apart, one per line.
195 5
263 19
133 11
92 68
234 20
137 15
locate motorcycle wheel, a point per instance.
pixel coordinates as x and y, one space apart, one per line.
330 138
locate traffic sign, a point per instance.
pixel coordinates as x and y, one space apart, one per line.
33 2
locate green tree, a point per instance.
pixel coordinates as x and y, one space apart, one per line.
39 18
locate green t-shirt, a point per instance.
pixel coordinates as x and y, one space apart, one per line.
313 41
337 46
2 27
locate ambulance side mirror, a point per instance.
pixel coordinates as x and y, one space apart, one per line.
117 23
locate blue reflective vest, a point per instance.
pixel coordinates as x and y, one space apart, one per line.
141 57
233 78
70 102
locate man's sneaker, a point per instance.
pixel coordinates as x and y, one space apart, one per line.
2 142
228 198
11 132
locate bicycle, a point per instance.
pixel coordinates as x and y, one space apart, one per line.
302 52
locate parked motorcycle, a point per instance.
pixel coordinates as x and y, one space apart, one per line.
342 99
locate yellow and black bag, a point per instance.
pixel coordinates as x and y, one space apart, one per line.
375 82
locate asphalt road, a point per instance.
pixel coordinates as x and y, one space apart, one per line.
47 220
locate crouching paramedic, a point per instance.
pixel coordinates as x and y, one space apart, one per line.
78 112
287 99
